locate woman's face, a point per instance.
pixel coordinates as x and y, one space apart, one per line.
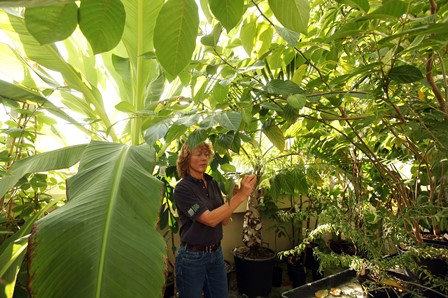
198 161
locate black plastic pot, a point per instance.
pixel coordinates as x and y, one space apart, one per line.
312 264
253 275
169 289
277 276
229 269
297 274
435 266
373 289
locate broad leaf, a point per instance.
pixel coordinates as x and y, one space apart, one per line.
46 55
275 135
228 12
103 242
122 67
283 87
228 168
175 34
156 89
175 132
293 14
389 9
405 74
297 101
229 120
102 23
361 4
212 38
49 24
349 29
125 106
197 137
226 140
248 33
156 131
47 161
291 37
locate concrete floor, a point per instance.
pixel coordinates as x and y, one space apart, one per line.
276 292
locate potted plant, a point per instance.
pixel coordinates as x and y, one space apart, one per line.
298 183
254 262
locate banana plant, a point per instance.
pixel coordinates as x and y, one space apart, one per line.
109 221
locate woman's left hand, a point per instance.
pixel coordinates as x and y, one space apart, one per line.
248 184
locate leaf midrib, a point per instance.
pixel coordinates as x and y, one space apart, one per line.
118 171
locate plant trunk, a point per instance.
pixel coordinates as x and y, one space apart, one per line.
252 221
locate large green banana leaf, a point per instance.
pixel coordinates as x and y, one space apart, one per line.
103 242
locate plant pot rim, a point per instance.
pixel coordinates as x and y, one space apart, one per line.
245 256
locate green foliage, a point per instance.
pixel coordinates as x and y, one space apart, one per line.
49 24
293 14
175 34
228 12
102 23
353 90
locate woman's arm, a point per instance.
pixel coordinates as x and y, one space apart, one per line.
223 213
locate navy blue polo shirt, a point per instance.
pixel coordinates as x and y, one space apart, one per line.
192 198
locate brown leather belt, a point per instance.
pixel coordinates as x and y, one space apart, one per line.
199 247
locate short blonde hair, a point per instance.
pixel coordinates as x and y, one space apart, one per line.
183 160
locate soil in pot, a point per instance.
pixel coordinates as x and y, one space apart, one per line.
254 271
342 247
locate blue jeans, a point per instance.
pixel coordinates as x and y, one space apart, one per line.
201 272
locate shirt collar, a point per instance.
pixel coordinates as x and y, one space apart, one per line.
191 178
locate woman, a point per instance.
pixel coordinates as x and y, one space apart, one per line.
202 213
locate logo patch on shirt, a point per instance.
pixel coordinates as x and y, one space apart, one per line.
193 209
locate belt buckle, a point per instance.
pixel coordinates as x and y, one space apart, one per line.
209 248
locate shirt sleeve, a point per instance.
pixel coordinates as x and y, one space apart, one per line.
187 202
